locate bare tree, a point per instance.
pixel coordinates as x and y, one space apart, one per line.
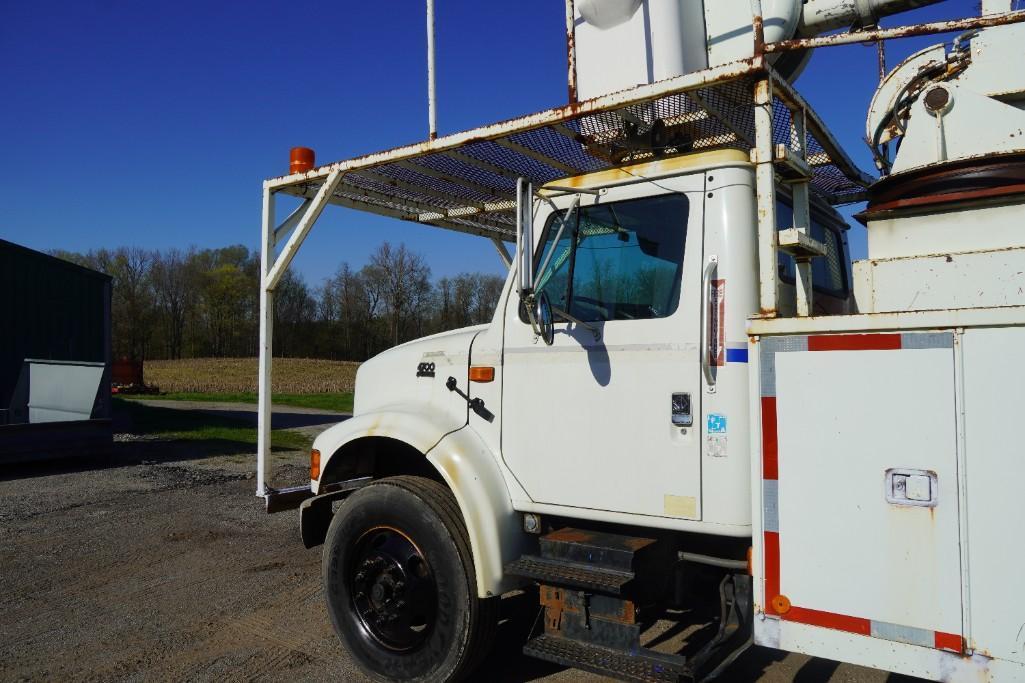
401 280
174 282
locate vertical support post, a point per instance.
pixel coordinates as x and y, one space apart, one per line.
263 415
432 117
571 51
765 190
802 213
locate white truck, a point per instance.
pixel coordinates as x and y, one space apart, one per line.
687 389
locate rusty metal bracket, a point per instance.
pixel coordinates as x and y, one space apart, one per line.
875 34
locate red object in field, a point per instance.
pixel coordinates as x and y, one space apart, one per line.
125 372
301 159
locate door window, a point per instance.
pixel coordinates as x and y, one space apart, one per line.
617 260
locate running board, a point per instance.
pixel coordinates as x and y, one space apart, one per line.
641 665
279 500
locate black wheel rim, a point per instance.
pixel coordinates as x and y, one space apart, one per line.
393 590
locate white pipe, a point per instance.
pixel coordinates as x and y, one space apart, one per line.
432 117
820 16
571 51
263 411
765 191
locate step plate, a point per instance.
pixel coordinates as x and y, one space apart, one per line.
571 575
643 666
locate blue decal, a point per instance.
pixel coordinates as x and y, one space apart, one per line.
716 423
736 355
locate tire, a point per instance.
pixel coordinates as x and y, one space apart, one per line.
400 586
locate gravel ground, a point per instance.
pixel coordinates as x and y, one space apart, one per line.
160 564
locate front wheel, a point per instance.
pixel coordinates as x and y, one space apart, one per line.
400 586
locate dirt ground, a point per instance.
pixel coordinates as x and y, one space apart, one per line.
160 564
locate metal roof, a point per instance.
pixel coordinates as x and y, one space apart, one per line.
466 181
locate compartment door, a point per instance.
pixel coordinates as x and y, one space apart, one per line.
859 478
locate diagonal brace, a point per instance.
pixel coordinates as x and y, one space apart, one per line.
292 220
303 227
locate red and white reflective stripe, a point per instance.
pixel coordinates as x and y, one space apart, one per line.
771 560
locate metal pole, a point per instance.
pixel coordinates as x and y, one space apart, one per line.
869 35
432 118
800 197
263 415
765 190
571 51
881 55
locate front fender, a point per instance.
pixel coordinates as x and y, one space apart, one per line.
410 426
471 472
496 537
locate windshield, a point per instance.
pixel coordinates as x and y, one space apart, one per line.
616 260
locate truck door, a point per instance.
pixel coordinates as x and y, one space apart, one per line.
606 418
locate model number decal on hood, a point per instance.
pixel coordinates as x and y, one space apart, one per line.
425 370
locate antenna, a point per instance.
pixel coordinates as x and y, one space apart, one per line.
432 119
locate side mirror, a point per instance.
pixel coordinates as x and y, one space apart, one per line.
544 318
525 236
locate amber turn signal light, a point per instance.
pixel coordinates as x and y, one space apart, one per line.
482 373
314 464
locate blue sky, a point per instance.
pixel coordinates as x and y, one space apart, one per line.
154 124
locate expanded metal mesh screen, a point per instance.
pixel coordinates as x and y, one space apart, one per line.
471 188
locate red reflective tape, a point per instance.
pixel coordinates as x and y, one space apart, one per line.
838 622
770 557
854 342
770 441
949 641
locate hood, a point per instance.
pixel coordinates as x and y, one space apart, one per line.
413 376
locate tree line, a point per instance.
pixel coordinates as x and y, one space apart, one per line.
194 303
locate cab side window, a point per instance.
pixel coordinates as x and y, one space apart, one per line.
617 260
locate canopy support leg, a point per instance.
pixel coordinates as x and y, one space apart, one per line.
263 415
271 270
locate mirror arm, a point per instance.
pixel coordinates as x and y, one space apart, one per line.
528 304
563 314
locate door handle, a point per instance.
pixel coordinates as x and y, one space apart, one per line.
705 338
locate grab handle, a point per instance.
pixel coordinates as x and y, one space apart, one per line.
706 314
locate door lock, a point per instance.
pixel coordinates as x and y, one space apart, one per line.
681 414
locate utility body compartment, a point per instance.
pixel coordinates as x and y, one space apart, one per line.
887 473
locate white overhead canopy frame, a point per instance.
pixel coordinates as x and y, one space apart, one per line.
467 181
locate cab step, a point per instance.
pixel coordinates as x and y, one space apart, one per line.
639 665
587 560
561 573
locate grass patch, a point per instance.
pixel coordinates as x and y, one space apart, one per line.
193 425
337 402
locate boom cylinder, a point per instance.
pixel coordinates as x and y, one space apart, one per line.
819 16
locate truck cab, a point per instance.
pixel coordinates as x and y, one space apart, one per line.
636 412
